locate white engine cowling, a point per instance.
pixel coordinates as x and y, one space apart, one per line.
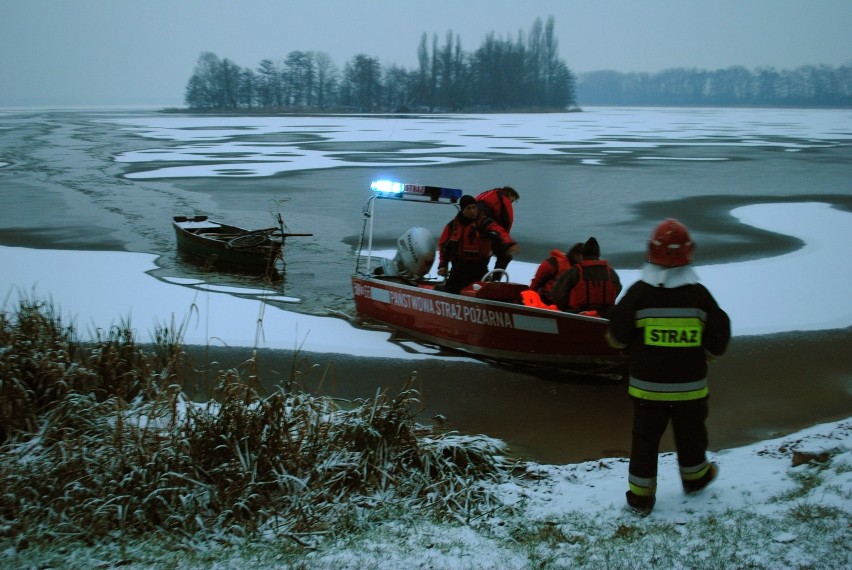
415 254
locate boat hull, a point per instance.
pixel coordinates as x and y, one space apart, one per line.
210 242
499 330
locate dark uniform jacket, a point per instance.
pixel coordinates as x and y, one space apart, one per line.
669 333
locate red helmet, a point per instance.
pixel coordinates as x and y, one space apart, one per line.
670 244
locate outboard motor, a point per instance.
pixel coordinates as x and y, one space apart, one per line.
415 254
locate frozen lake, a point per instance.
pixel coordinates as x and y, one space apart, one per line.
111 180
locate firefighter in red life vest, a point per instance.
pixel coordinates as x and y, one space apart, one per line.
590 285
670 325
496 204
552 269
464 247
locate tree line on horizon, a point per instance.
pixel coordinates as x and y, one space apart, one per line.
503 74
806 86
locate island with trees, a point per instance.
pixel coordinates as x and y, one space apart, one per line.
522 74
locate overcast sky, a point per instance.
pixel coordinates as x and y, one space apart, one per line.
143 52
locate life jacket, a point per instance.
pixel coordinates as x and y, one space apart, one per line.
594 288
532 299
464 241
497 206
561 263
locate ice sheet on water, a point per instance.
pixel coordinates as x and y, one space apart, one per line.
762 296
254 146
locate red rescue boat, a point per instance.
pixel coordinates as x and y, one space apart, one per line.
488 319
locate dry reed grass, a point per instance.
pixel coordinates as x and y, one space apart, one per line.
101 442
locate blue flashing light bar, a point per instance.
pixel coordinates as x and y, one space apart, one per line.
382 187
390 189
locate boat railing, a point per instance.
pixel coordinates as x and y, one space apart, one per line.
400 192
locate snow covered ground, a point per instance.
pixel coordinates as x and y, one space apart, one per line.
756 515
757 482
778 504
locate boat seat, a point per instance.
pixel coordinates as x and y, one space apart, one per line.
495 291
217 235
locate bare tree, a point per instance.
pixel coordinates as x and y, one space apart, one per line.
246 92
299 76
362 83
424 74
213 84
268 85
326 79
397 89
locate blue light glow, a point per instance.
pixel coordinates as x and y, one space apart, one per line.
387 187
391 189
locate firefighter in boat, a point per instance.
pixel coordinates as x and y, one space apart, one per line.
464 247
497 204
552 268
590 285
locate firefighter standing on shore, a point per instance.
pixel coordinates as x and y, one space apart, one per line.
670 325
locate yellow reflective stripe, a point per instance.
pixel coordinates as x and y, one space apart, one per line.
690 474
668 396
641 491
642 486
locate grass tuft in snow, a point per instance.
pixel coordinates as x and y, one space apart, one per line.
102 444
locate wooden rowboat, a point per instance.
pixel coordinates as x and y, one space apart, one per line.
222 245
